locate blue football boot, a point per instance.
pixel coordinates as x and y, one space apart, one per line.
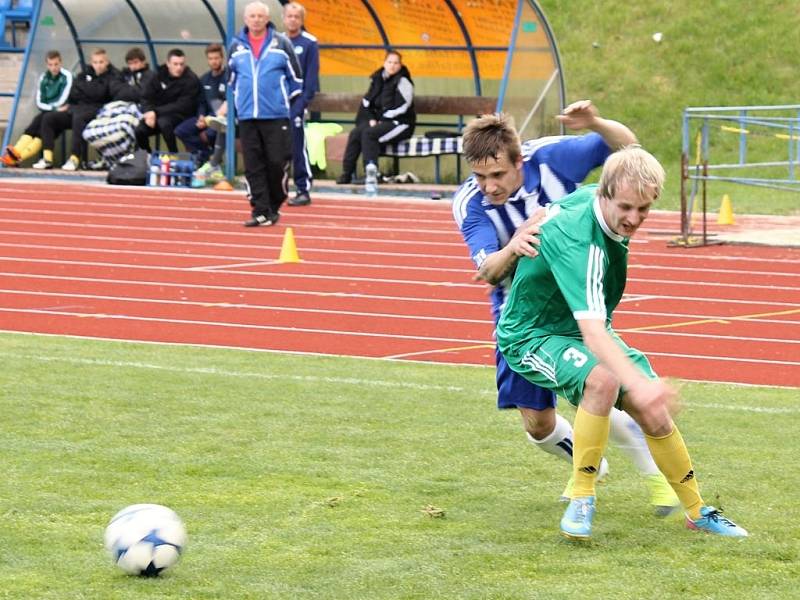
576 524
712 521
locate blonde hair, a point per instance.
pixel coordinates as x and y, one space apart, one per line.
636 167
489 136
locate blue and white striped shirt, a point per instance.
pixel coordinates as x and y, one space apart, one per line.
552 167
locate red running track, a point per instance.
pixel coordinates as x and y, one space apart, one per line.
383 279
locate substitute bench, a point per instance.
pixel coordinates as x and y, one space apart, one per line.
447 138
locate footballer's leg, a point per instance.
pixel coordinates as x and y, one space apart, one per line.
672 457
628 437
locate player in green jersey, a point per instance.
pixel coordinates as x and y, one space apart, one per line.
556 332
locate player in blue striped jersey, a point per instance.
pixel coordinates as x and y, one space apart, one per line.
496 210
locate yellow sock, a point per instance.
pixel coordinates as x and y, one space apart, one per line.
32 149
589 441
672 457
73 158
22 142
48 155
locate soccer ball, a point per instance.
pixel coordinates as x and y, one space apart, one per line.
145 539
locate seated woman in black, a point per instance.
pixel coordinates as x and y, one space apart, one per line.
386 115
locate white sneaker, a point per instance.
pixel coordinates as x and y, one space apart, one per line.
70 165
42 164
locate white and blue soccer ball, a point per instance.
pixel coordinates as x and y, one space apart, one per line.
145 539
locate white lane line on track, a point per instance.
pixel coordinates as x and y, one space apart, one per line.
350 278
254 290
335 332
483 303
280 274
270 307
222 212
217 372
340 332
459 252
251 261
487 322
648 267
242 233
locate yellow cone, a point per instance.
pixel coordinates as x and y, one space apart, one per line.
289 248
223 186
725 216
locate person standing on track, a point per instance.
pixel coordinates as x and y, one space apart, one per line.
306 50
556 332
265 76
496 211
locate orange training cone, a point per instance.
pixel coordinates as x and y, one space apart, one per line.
725 216
223 186
289 248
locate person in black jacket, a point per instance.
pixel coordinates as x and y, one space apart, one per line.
169 99
386 115
194 132
113 130
90 90
135 77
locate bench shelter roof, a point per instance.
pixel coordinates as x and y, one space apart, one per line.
502 49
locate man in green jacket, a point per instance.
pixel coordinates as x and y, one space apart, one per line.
51 95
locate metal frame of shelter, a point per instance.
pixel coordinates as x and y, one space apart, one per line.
226 20
776 127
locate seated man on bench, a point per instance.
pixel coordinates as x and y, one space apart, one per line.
386 115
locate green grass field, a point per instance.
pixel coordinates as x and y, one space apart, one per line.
713 53
307 477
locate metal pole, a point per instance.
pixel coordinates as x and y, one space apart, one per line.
230 133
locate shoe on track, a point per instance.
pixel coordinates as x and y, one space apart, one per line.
301 199
70 165
662 496
712 521
576 524
602 473
262 221
43 164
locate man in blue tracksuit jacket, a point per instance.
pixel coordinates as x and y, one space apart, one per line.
307 51
265 76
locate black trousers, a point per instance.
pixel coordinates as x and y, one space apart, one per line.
267 150
165 125
367 140
56 122
35 127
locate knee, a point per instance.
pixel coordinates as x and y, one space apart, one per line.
600 391
539 423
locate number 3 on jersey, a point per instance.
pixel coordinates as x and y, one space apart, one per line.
577 357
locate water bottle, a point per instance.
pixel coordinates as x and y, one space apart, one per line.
371 181
155 164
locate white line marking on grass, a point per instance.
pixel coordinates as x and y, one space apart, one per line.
215 371
752 409
248 374
762 361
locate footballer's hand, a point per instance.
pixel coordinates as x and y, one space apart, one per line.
525 241
579 115
655 400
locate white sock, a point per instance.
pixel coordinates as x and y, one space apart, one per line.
559 442
628 437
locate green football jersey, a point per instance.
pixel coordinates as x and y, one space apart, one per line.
579 274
